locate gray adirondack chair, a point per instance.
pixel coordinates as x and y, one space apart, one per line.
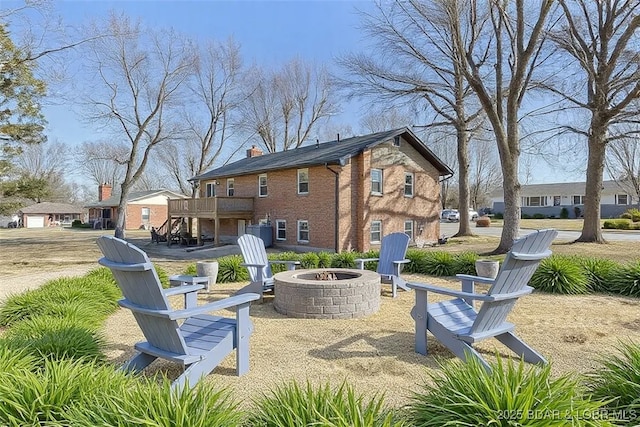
457 324
200 342
258 265
393 249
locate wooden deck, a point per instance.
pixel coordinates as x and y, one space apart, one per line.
212 207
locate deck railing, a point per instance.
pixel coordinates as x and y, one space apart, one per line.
210 206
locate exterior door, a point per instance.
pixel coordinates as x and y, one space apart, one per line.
241 227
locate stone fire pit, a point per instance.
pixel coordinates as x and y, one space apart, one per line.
327 293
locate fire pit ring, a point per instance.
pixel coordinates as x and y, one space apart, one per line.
305 293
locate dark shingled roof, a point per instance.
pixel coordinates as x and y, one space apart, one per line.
114 200
51 208
332 153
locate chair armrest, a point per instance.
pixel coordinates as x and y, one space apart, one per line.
469 296
291 265
360 262
189 312
476 279
244 264
402 261
179 290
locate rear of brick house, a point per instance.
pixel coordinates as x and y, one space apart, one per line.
340 195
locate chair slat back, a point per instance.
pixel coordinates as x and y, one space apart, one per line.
254 252
140 285
516 271
393 248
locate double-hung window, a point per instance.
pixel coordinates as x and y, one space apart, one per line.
534 201
408 184
146 213
281 229
408 228
262 185
303 181
303 231
230 189
376 181
622 199
376 232
578 200
210 190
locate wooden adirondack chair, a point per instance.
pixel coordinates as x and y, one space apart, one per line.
392 255
200 342
258 265
456 323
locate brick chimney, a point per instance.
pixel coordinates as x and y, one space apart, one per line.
104 191
254 151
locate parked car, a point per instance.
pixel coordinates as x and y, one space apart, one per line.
447 213
452 215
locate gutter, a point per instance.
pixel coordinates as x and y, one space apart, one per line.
336 245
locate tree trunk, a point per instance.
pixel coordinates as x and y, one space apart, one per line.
122 209
464 229
591 231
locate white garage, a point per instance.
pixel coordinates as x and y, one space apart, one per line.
34 221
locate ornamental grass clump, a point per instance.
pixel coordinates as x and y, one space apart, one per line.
145 403
230 269
465 263
324 259
598 272
418 261
282 256
617 381
309 260
291 405
560 275
625 280
344 260
512 394
439 264
370 265
55 338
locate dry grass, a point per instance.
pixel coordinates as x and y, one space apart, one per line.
375 353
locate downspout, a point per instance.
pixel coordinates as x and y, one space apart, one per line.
337 210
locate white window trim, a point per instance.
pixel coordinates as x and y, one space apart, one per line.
278 222
622 204
300 182
208 193
142 214
233 186
404 184
381 182
371 232
573 200
411 234
300 221
264 175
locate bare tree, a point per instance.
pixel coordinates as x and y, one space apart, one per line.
502 43
102 161
623 164
485 171
600 36
285 106
44 160
215 89
421 64
138 77
385 119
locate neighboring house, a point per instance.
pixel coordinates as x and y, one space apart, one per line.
549 199
340 195
144 209
48 214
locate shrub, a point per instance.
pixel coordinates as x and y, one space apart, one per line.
55 338
620 224
292 405
577 211
147 404
626 215
370 265
76 223
538 216
635 214
418 258
439 264
465 263
230 270
511 394
190 270
163 276
324 259
309 260
625 280
344 260
282 256
560 275
483 221
525 216
564 213
498 215
617 381
598 272
44 396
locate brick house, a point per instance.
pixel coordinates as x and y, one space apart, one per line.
145 209
48 214
339 195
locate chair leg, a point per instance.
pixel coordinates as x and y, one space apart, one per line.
521 348
458 347
138 362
